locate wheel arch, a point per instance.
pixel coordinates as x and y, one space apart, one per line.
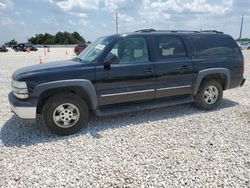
81 87
221 74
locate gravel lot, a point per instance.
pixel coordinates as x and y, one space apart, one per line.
167 147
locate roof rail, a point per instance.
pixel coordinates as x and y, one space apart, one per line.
179 31
211 31
145 30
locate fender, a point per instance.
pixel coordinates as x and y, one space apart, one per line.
86 85
205 72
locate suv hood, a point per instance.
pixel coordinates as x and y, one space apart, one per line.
51 68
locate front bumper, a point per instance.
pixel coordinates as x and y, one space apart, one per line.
24 109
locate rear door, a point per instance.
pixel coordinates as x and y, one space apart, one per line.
173 67
133 79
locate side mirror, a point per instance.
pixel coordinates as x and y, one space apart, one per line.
110 59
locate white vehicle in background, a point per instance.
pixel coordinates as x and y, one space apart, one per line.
244 45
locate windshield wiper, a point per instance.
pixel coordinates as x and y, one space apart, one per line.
77 59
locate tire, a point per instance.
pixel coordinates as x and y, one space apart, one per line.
207 98
60 108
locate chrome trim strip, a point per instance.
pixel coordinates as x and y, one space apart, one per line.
24 112
168 88
125 93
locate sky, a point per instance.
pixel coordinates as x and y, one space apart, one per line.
21 19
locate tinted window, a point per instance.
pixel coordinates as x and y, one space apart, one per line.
214 46
170 47
131 50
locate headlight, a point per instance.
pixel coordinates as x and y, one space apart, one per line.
20 89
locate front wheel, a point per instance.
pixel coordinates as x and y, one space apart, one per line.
209 95
65 114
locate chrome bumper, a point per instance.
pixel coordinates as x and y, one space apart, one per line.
24 109
28 113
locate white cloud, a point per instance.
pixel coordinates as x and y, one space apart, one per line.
183 6
125 18
79 23
68 5
4 21
78 14
116 5
50 20
153 12
5 4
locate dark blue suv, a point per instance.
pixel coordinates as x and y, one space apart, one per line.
127 72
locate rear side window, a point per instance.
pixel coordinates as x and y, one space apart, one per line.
170 47
214 46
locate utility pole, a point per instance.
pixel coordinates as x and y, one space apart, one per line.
241 26
116 22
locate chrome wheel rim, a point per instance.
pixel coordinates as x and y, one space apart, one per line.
211 94
66 115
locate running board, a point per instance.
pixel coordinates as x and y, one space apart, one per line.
132 107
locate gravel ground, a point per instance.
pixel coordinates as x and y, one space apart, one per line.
167 147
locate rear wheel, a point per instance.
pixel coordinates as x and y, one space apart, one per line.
209 95
65 114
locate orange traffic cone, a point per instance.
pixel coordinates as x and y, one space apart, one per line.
44 51
40 60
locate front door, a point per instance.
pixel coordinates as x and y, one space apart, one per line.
133 79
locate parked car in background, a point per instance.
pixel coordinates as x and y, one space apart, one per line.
244 45
135 71
3 49
23 47
31 48
79 48
19 47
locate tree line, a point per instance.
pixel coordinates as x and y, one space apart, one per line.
58 38
243 40
48 39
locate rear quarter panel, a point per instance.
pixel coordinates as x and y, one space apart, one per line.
233 62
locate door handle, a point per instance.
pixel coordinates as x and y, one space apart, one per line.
148 70
184 68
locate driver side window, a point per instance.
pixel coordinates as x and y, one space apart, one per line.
131 50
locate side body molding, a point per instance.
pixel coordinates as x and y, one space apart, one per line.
86 85
205 72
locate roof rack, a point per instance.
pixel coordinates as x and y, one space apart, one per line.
145 30
211 31
179 31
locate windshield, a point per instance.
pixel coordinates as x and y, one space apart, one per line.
94 50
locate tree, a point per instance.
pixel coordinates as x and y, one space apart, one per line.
59 38
11 43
